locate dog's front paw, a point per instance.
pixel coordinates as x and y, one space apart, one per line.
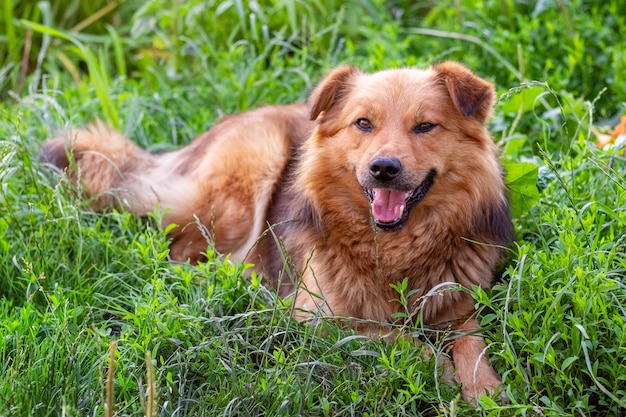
484 383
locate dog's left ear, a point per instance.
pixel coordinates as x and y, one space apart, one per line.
471 95
331 90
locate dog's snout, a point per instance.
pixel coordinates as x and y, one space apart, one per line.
385 169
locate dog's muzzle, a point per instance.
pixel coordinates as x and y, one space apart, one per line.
390 201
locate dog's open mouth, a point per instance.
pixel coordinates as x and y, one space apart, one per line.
391 208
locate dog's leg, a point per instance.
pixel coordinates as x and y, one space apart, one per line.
473 372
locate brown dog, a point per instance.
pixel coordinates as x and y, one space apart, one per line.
385 177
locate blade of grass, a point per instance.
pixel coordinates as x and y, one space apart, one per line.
69 66
602 388
94 17
118 50
109 404
151 396
96 66
13 46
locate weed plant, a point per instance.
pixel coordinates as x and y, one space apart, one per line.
94 319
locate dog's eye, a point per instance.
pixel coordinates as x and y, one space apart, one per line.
364 124
424 127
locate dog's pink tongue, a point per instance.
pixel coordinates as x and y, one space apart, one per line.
387 205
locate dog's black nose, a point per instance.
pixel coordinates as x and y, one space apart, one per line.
385 169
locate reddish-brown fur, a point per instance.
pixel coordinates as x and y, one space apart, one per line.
303 172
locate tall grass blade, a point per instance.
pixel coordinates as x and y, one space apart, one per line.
109 404
583 344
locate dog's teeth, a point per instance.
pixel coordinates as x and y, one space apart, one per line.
401 211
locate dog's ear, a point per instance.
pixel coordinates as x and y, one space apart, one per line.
471 95
331 90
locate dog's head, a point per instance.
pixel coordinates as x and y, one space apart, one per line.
404 133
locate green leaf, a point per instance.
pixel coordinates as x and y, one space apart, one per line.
525 99
521 179
567 362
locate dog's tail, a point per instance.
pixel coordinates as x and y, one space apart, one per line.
109 169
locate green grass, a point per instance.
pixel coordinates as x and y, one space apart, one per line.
95 321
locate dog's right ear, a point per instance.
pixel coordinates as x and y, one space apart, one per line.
331 90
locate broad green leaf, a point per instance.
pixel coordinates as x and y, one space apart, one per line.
521 178
524 99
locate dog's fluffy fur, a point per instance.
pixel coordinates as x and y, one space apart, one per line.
382 177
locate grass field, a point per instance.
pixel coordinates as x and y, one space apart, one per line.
95 321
